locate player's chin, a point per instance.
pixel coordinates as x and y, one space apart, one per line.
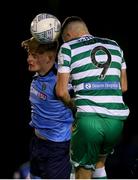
32 69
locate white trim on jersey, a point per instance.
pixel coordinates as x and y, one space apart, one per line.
63 69
124 65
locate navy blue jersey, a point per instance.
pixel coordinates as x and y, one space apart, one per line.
50 117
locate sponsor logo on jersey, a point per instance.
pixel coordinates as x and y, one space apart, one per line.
37 93
101 85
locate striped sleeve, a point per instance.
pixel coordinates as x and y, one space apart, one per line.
64 59
123 60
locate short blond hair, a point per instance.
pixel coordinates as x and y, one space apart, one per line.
32 45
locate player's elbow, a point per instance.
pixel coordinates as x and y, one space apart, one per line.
123 81
124 86
124 89
59 92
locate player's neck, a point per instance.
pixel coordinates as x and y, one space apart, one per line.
46 68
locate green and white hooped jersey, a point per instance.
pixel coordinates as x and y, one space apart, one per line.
95 67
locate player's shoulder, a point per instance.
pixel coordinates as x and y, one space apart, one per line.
71 42
65 47
106 40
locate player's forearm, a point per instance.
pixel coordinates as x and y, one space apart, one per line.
65 97
70 103
123 80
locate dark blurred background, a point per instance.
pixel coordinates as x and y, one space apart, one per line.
105 19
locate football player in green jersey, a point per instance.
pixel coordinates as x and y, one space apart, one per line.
97 70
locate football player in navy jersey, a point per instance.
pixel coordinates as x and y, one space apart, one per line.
50 118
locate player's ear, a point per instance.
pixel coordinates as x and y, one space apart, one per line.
66 37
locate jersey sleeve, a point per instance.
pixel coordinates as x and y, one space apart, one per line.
64 59
123 63
123 60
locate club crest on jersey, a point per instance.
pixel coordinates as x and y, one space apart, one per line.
43 87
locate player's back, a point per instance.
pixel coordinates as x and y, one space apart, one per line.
95 67
91 55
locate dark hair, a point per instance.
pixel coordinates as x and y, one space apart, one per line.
69 20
